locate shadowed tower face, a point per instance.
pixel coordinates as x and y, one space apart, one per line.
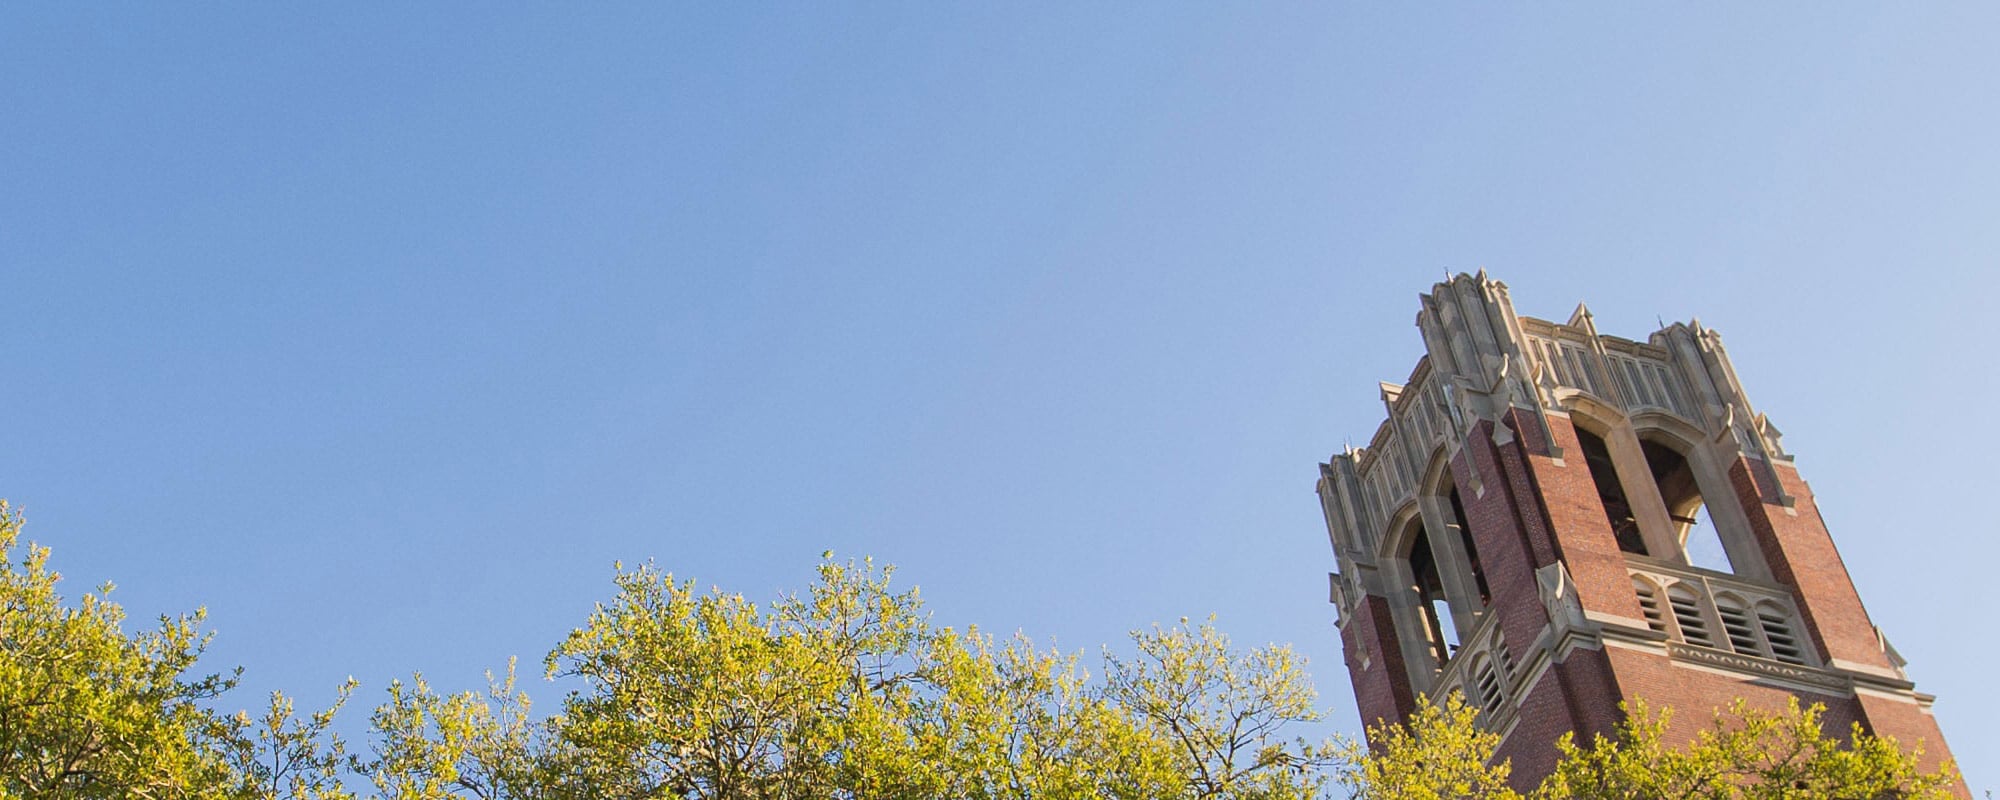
1553 521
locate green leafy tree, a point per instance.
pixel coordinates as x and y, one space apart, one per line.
1745 754
282 755
700 695
1439 753
89 711
1221 714
432 746
848 690
845 691
1005 719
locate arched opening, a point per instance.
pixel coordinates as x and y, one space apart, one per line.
1617 507
1432 605
1700 543
1458 518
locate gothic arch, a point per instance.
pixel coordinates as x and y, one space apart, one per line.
1684 435
1614 454
1399 533
1590 412
1710 490
1437 471
1443 504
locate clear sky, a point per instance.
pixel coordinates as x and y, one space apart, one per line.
383 332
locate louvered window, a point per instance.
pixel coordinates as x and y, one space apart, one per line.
1649 604
1756 620
1486 683
1686 605
1739 624
1778 630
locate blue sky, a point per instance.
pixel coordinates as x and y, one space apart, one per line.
383 332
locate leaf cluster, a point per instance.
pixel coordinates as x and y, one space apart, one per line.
1744 754
849 691
89 711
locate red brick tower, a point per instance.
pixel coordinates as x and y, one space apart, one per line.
1553 521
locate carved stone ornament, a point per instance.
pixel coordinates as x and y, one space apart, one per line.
1559 598
1762 666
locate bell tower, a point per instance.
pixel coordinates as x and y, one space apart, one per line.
1552 521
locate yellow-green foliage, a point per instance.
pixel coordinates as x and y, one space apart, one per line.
89 711
846 691
1745 754
849 691
1438 754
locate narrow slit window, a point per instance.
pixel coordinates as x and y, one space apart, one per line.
1639 389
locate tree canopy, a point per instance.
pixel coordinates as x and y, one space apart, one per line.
90 711
847 690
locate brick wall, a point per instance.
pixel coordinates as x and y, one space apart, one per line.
1801 555
1909 725
1583 536
1574 696
1382 686
1694 695
1511 544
